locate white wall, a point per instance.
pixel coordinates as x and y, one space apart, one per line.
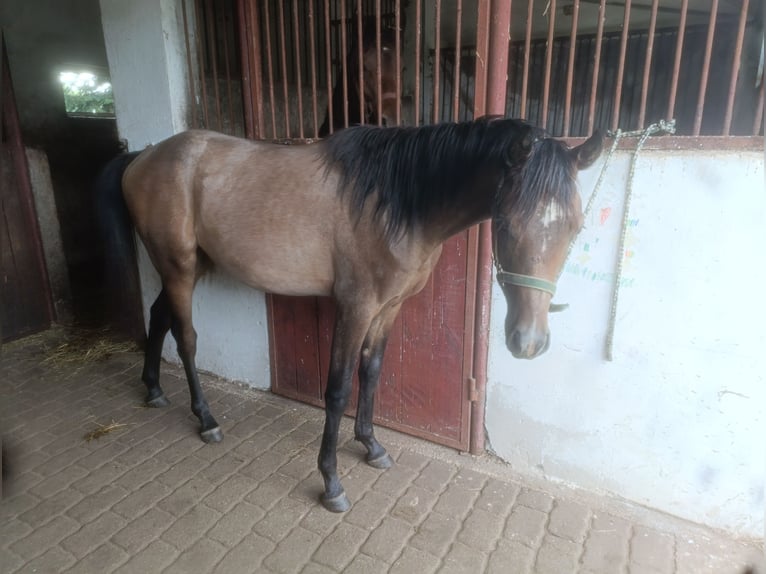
676 421
147 62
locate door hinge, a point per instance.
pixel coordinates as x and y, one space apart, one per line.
473 393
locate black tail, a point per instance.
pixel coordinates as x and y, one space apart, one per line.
121 282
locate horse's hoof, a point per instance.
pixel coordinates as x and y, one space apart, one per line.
339 503
212 435
383 462
157 402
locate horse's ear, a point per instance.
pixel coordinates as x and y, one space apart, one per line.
588 152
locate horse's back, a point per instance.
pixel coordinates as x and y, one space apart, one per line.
265 213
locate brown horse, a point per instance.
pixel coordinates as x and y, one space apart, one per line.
360 216
346 110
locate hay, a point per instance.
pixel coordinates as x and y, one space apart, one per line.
103 430
87 346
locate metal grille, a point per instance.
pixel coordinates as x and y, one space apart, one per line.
572 66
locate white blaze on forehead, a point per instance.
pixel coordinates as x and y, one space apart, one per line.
553 212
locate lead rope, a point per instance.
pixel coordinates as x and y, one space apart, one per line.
660 127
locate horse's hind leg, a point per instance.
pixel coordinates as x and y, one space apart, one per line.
370 364
159 324
179 291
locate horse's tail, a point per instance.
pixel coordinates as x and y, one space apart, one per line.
122 297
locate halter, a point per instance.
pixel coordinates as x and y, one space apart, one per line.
508 278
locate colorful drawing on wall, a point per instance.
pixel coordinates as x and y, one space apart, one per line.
605 212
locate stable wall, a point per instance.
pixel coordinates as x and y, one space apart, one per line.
676 420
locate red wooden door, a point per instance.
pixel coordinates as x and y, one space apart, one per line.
24 290
424 385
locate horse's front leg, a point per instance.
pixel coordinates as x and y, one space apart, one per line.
370 365
349 332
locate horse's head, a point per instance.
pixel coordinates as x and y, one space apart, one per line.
388 74
537 216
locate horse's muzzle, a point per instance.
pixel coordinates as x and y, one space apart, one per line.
527 344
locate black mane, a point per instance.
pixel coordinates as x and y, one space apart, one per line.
413 172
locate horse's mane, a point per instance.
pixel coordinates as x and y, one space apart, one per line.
413 172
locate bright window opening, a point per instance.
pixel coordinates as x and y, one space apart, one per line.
87 93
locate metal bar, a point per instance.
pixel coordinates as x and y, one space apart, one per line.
456 75
527 49
418 37
211 40
621 66
398 60
596 67
705 69
757 125
677 62
570 68
201 62
360 60
190 65
548 61
379 65
312 51
270 68
437 59
256 73
283 49
647 64
297 54
344 61
227 66
328 62
735 68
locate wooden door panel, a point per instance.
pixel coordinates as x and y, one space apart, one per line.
423 385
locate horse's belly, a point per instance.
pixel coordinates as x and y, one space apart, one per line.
275 270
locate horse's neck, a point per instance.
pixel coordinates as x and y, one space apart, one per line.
470 205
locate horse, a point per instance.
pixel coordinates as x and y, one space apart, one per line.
341 107
359 216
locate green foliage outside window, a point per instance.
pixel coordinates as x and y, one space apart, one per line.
85 93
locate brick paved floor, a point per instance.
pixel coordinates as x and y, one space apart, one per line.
151 497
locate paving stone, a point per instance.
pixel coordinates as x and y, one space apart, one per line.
413 460
557 555
186 496
293 551
105 558
93 534
462 558
103 475
435 533
236 524
481 530
54 560
282 519
456 501
435 476
143 530
191 526
651 548
319 520
387 539
138 502
363 564
91 506
395 480
58 482
230 492
414 505
270 490
313 568
341 546
525 525
50 507
606 547
368 511
44 537
511 556
201 557
569 520
156 556
413 560
245 556
535 499
497 497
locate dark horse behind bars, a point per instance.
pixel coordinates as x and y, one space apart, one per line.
361 217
